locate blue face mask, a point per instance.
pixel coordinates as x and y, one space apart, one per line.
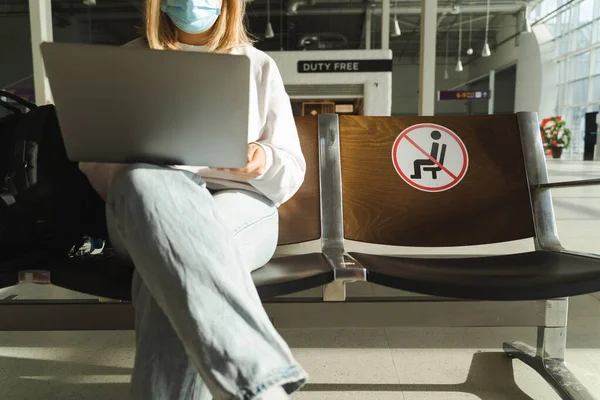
192 16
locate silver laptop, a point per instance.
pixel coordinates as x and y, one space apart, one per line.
126 105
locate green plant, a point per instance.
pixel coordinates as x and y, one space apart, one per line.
555 133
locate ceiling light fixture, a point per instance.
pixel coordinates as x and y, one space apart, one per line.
269 34
396 29
446 75
470 49
486 52
396 32
459 66
486 47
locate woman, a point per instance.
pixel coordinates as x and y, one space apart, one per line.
194 234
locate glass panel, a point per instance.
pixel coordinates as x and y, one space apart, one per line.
562 69
562 46
578 91
568 113
577 125
565 23
596 93
583 12
560 101
547 6
581 38
597 55
580 66
552 25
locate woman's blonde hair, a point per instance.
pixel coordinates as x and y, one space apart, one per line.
228 31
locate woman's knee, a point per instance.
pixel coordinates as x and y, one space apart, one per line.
136 176
144 182
134 188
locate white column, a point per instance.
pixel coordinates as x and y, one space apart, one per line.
40 17
368 28
492 92
427 69
385 25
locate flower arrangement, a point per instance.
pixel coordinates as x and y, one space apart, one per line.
555 134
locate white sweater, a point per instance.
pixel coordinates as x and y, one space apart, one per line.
271 126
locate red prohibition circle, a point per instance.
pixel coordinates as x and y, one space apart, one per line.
460 143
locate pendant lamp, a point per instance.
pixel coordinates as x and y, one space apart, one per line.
446 75
470 49
269 34
396 28
486 47
459 66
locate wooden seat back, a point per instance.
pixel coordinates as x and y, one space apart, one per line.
490 204
300 217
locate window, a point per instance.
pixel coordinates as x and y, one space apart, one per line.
578 127
565 23
562 46
578 91
553 27
580 66
562 70
576 28
581 38
560 101
575 118
583 12
596 91
547 6
568 114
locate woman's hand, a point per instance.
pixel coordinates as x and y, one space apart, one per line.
257 160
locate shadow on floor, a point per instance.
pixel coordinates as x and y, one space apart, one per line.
33 379
491 375
573 175
586 212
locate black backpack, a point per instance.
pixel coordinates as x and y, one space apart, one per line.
47 205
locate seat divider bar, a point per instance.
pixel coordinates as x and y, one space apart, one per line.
332 217
330 174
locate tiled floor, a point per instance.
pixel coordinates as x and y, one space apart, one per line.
345 364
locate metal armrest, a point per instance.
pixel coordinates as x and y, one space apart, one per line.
566 184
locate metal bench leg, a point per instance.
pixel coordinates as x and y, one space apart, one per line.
335 291
548 359
345 269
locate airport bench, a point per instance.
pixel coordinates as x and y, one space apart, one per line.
422 182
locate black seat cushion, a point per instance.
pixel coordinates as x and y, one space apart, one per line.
292 274
100 275
526 276
106 276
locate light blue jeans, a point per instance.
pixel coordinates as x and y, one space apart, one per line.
201 330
